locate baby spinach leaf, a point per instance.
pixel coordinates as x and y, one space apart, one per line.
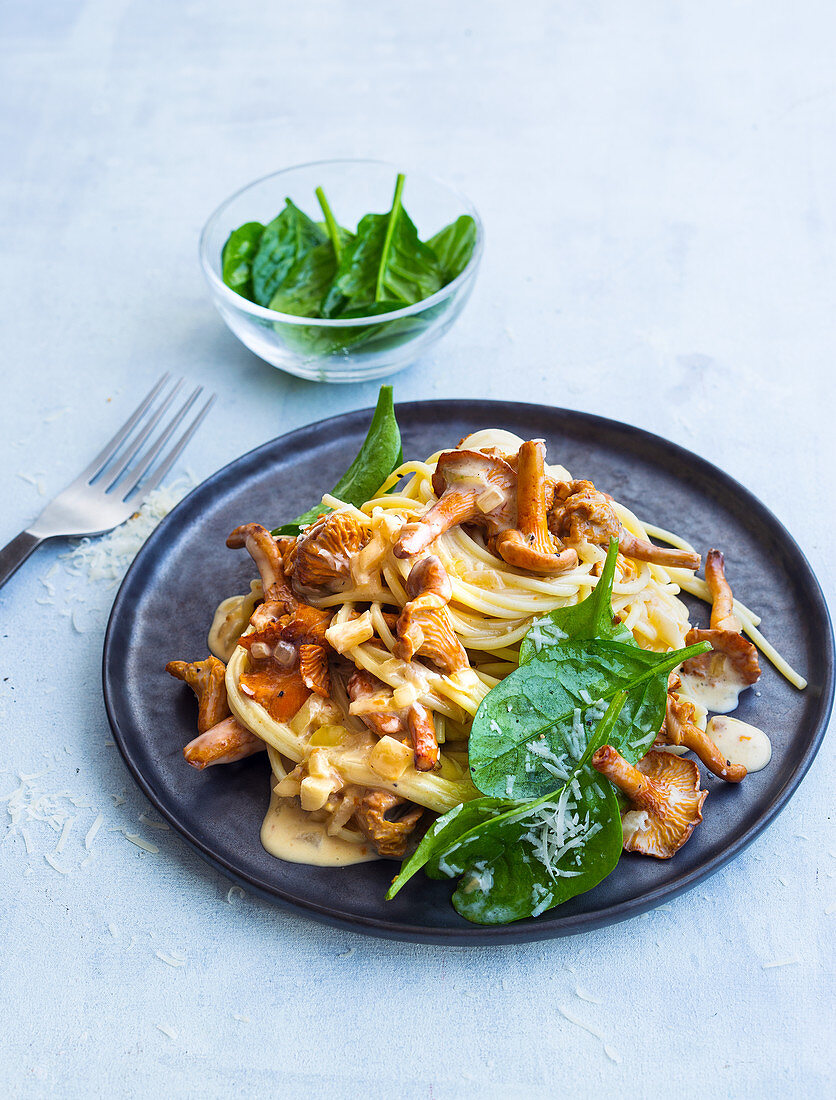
453 246
378 456
386 262
237 258
521 867
517 860
533 725
591 618
287 238
302 289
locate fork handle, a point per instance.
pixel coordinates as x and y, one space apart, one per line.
15 553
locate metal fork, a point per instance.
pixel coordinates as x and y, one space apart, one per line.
118 479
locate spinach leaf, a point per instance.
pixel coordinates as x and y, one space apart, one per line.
287 238
386 262
453 246
237 258
516 861
591 618
379 455
304 285
522 867
532 727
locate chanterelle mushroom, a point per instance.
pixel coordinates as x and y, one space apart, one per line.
224 743
472 487
423 626
529 545
206 679
319 563
666 799
729 645
386 718
581 513
388 836
264 551
680 728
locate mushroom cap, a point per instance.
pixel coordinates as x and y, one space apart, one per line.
320 561
388 836
313 667
429 579
581 513
474 473
664 790
727 646
207 681
426 632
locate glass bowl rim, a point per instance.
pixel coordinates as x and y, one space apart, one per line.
262 313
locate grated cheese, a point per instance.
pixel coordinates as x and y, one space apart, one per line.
170 960
145 845
91 832
610 1052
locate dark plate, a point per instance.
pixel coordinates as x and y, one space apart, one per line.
165 605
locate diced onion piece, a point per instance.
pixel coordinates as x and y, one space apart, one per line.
314 792
390 758
345 636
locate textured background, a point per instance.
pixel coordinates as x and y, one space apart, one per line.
657 185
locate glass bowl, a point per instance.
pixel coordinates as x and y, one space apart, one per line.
359 348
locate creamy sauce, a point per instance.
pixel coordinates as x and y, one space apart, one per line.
231 619
740 743
718 692
288 833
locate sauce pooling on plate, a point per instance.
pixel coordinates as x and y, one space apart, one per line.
719 693
232 617
740 743
290 834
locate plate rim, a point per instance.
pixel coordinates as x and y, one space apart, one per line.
530 929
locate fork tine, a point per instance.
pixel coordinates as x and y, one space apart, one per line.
139 442
113 446
177 449
148 459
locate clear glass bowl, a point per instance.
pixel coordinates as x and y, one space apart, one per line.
359 348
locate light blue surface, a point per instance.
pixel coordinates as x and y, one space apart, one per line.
657 184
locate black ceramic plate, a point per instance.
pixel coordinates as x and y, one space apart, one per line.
165 605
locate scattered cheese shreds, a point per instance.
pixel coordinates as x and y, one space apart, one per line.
91 832
584 996
140 842
106 559
171 960
65 832
53 864
610 1052
171 1032
781 962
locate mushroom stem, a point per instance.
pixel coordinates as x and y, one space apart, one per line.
642 550
422 731
722 600
454 506
224 743
263 549
628 779
530 546
680 729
